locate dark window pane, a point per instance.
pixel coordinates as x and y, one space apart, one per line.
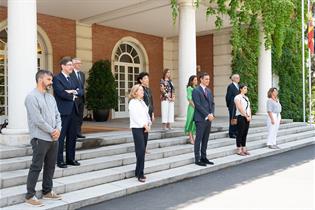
134 53
130 69
122 84
129 48
2 111
126 58
122 92
136 59
4 36
2 101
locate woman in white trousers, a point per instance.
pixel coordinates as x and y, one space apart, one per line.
167 91
274 117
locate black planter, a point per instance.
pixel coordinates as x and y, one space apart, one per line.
100 115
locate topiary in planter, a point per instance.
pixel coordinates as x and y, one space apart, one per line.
101 94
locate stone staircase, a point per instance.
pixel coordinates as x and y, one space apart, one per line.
108 162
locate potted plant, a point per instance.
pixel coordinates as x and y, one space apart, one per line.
101 93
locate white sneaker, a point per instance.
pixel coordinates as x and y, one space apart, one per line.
34 201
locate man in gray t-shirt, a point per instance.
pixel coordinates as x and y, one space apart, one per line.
44 126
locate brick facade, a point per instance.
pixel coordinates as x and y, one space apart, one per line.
105 38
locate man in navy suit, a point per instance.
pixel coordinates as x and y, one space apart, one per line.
79 77
231 92
66 91
204 115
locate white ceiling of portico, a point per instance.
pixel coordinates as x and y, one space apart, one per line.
145 16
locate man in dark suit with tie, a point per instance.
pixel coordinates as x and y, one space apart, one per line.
231 92
66 91
204 115
79 77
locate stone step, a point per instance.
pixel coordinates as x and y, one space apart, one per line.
99 140
24 162
70 183
102 192
115 138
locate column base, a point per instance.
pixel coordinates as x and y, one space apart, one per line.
180 118
15 137
260 116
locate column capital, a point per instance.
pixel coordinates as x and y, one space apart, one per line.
186 2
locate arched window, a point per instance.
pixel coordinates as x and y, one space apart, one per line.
41 63
127 66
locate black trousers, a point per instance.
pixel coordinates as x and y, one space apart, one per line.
68 131
242 130
232 128
139 138
44 152
201 141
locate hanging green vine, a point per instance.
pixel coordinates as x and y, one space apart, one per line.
247 18
275 16
289 68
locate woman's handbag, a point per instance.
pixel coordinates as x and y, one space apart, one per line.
234 121
234 118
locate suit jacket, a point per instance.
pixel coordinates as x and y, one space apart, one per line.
204 103
231 92
80 84
65 102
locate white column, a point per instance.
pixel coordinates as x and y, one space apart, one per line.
187 52
264 75
22 61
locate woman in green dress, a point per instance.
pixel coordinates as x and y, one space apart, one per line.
190 127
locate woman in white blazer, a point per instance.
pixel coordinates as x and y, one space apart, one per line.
140 123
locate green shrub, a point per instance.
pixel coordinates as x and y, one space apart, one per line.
101 91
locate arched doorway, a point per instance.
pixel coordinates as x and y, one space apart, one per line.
43 62
128 61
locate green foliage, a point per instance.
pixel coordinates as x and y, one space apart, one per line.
101 90
245 61
281 23
289 69
275 16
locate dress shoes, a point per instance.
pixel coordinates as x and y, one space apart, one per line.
80 136
73 163
199 163
206 161
62 165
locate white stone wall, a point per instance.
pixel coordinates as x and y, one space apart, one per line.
84 46
170 61
222 59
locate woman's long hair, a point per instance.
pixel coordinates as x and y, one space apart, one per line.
164 73
190 81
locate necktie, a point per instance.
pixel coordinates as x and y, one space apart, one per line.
78 76
205 92
69 80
